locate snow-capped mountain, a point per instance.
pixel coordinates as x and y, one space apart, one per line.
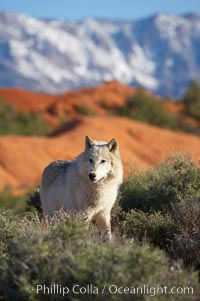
161 53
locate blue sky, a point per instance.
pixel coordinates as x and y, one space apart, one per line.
116 9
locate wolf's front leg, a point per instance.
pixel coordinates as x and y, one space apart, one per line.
89 216
103 221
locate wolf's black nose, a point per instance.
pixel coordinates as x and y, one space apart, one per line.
92 176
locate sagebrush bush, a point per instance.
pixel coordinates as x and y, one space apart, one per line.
186 242
177 231
66 253
155 227
172 181
162 206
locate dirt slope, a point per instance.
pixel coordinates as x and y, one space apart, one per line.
22 159
23 100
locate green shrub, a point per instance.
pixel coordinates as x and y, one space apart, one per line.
177 231
9 200
186 243
22 123
33 201
174 180
83 110
155 227
191 100
148 109
66 253
165 208
8 225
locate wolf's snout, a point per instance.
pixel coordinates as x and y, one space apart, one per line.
92 176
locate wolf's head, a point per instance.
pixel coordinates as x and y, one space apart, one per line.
99 158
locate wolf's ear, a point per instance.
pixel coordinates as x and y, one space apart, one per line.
113 145
88 142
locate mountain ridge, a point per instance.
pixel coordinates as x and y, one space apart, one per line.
159 52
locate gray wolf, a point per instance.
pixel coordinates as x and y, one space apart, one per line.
88 184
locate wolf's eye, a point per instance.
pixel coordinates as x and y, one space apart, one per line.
91 161
103 161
